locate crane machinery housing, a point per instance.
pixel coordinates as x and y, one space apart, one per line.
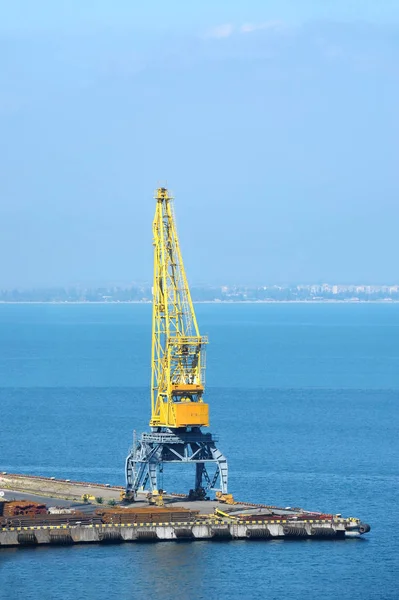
178 409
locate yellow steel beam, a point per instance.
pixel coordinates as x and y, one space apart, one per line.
178 349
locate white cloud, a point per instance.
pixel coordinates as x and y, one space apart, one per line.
226 30
268 25
221 31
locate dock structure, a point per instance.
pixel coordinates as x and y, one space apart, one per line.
213 530
200 519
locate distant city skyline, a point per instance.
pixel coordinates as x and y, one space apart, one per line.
328 285
263 293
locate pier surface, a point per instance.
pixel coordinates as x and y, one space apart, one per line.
213 520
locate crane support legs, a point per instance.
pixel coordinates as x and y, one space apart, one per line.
147 457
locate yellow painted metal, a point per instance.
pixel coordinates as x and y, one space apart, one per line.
225 498
220 513
178 350
88 498
156 498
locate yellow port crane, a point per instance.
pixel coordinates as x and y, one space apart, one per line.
178 410
178 350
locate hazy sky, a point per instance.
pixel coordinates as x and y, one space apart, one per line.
276 125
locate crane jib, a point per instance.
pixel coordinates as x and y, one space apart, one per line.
178 349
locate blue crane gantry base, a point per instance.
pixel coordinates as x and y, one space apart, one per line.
146 459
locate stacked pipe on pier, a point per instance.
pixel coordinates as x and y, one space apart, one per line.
49 519
107 516
147 515
24 508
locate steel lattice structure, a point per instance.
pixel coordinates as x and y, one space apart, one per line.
178 410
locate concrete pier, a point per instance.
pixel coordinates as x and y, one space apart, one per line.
271 524
190 531
57 488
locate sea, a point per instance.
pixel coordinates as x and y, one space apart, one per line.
304 399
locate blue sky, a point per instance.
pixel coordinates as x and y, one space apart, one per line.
46 14
276 125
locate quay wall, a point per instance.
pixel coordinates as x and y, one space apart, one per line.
199 530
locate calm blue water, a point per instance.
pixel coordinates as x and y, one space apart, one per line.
305 399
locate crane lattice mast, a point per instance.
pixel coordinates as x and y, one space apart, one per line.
178 350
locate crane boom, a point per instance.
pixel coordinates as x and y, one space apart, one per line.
178 349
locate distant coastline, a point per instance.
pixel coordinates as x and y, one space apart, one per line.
327 301
141 293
